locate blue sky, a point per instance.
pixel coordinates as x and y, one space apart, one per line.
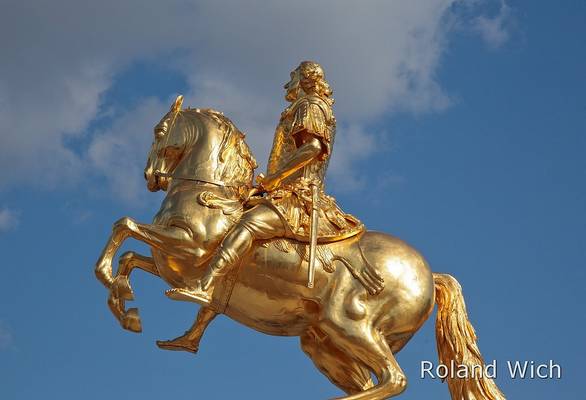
461 131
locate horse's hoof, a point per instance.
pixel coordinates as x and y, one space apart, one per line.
177 345
131 321
121 288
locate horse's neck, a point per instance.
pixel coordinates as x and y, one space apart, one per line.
201 161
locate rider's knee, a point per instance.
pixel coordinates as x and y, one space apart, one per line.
246 227
262 223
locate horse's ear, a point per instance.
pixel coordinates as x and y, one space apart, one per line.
176 106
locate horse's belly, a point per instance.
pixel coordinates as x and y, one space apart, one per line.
274 316
271 295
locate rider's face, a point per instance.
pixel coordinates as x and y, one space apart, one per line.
292 87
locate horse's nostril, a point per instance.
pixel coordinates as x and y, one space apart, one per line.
145 176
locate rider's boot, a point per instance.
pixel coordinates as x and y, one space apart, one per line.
190 340
201 292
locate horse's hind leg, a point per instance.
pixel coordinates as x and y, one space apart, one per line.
120 289
360 341
343 371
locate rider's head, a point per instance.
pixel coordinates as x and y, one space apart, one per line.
308 78
312 79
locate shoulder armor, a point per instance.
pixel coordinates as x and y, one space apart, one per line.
317 101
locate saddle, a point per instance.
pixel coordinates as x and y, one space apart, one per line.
352 258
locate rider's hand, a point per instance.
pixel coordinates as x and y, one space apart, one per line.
255 191
259 178
267 183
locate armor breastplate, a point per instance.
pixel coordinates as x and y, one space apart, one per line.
284 143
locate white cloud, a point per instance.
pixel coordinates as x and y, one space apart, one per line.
380 56
119 153
9 219
254 113
494 30
357 145
57 61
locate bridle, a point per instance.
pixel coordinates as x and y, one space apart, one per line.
198 180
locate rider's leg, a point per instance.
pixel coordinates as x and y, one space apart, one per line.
258 223
190 340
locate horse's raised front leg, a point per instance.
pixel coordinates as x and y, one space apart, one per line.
170 239
190 340
120 289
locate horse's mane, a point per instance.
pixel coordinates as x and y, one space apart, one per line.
238 163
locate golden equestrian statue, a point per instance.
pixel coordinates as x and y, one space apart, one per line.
282 257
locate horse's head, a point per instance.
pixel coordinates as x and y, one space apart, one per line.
168 145
199 145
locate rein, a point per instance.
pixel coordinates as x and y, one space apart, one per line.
200 180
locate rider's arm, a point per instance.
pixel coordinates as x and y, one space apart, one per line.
310 149
311 136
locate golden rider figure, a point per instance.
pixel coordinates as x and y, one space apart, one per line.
299 158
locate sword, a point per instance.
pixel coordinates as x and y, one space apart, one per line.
313 233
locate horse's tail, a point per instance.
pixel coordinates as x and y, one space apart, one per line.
456 344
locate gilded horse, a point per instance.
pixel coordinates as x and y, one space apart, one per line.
350 323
